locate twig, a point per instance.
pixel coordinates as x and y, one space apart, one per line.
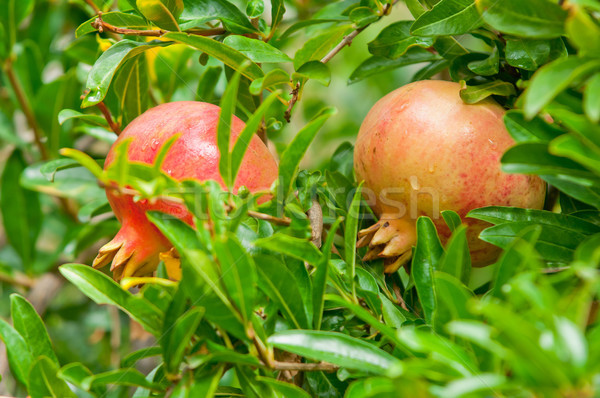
111 123
93 5
102 26
26 108
305 367
346 41
17 279
267 217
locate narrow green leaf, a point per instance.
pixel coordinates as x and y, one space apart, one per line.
207 83
257 50
427 256
238 273
537 19
232 18
474 94
395 39
533 130
179 337
21 212
19 356
452 300
319 281
350 234
315 70
120 377
28 324
376 64
553 78
452 219
299 248
130 359
243 140
339 349
229 56
283 388
317 47
573 148
448 17
84 160
228 105
44 382
583 31
277 12
282 288
106 66
457 259
272 78
290 159
591 98
131 86
69 114
103 290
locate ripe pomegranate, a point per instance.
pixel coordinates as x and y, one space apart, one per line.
134 251
421 150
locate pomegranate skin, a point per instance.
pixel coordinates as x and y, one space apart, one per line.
135 249
421 150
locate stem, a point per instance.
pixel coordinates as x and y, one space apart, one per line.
26 108
106 113
93 5
305 367
17 279
102 26
267 217
346 41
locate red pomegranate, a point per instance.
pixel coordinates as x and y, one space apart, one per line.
421 150
134 251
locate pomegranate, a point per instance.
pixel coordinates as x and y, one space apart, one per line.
421 150
134 251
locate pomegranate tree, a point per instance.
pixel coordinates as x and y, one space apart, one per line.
134 251
421 150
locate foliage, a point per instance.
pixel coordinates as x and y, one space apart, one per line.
263 309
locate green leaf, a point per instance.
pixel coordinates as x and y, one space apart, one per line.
283 388
84 160
448 17
243 140
257 50
131 86
553 78
474 94
452 299
44 382
583 31
315 70
452 219
21 212
130 360
478 385
350 234
488 66
238 273
427 256
591 98
430 70
115 18
229 56
317 47
255 8
293 154
272 78
518 256
457 260
163 13
106 66
68 114
12 13
338 349
207 83
228 104
538 19
319 281
103 290
533 130
120 377
362 16
533 158
28 324
179 338
299 248
19 356
233 19
281 287
277 12
75 373
395 39
376 64
527 54
578 150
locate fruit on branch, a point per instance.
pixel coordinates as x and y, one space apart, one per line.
420 151
135 249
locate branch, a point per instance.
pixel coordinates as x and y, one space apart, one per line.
26 108
17 279
346 41
305 367
102 26
111 123
93 5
